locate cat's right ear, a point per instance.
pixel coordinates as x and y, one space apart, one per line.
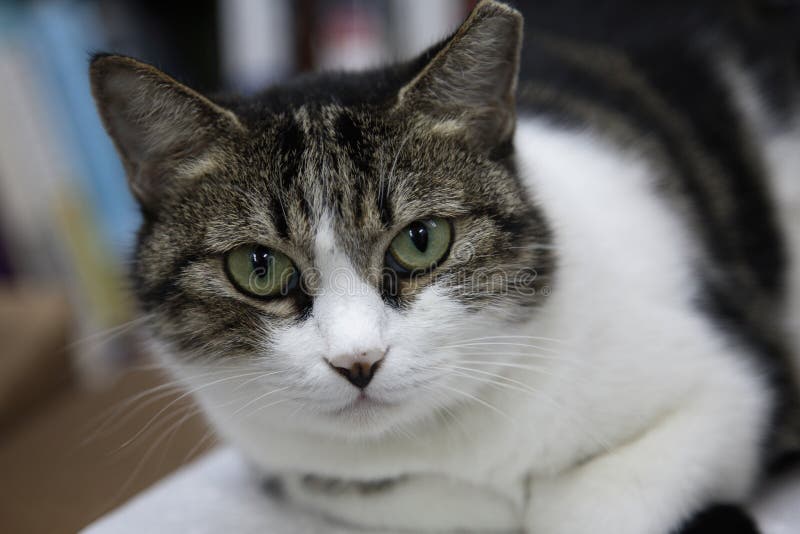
163 130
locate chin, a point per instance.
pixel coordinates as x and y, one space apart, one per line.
370 417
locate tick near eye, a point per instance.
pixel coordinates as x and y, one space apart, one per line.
420 247
261 272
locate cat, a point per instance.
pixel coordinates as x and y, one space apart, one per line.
545 285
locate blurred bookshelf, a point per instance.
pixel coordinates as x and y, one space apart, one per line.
67 220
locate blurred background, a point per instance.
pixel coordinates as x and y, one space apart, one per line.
85 419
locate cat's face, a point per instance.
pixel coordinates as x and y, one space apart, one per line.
328 256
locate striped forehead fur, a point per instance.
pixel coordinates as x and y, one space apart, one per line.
362 164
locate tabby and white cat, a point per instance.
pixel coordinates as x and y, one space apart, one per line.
431 297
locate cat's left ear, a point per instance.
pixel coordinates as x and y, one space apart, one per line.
468 88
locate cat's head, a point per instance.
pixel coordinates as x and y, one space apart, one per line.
327 252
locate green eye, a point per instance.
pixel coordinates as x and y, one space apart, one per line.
420 246
260 271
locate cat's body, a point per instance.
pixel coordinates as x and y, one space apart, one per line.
606 346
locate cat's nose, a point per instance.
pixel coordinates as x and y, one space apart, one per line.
359 367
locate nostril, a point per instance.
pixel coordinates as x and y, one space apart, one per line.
359 373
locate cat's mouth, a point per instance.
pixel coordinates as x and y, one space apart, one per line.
364 404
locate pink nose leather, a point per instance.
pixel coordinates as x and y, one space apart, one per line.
358 368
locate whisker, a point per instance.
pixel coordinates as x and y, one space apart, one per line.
498 344
108 334
298 409
391 170
440 404
256 378
112 421
264 407
544 371
564 358
479 401
516 385
210 434
523 366
183 396
253 401
111 415
536 338
192 412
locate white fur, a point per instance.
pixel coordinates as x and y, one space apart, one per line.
632 410
668 394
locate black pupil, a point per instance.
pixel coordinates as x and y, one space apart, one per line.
418 233
262 259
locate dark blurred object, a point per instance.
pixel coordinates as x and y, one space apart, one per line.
34 328
178 36
5 264
781 4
